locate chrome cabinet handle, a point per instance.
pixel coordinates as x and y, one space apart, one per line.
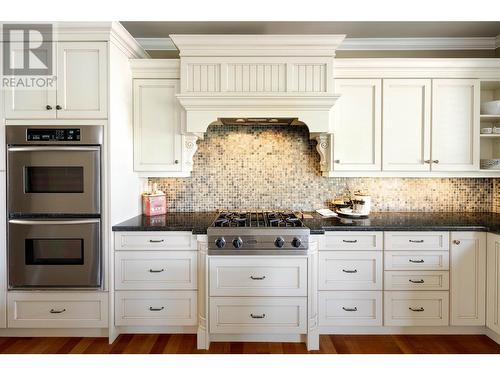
253 316
421 281
416 241
156 271
419 309
156 308
416 261
52 148
53 311
350 309
350 271
156 241
350 241
456 242
257 277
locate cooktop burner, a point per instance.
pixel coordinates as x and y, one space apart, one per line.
258 233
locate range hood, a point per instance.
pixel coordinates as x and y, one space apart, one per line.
288 78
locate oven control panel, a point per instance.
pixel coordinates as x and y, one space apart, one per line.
38 135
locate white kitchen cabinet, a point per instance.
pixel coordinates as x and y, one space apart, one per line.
416 308
406 112
82 80
3 254
358 125
157 126
468 278
493 282
79 91
352 308
455 125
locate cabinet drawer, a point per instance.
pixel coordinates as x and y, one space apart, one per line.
350 308
258 276
352 241
416 308
350 270
57 310
417 241
258 315
416 260
416 280
155 241
174 308
155 270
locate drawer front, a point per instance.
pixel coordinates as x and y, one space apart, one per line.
352 241
416 280
155 270
258 315
417 241
174 308
155 241
350 270
258 276
416 308
350 308
57 310
417 260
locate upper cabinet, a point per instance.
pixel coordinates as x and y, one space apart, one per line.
80 89
157 126
455 125
358 125
406 125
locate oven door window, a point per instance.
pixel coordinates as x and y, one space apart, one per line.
53 179
54 251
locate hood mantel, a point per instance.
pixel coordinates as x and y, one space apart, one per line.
234 76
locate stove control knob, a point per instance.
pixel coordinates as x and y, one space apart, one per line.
280 242
220 242
237 242
296 242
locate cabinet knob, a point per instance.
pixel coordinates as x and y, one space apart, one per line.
435 161
48 107
456 242
337 161
58 107
176 161
427 161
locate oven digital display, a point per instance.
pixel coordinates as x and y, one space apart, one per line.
53 135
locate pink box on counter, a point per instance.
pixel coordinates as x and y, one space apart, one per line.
154 204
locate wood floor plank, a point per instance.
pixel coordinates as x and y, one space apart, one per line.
186 344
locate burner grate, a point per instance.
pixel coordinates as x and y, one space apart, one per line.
257 219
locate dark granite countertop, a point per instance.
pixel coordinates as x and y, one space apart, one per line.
198 222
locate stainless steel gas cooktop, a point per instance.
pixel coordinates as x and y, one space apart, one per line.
258 233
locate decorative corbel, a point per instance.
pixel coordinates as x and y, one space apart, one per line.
323 148
190 147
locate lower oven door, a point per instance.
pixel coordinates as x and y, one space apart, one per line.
54 253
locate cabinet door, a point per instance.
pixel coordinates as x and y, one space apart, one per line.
29 103
455 125
82 80
3 255
468 278
358 125
406 127
493 298
157 134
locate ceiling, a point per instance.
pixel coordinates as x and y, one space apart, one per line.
155 29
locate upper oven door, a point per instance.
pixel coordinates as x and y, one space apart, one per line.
54 179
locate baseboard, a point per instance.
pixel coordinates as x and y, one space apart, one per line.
493 335
54 332
226 337
157 329
444 330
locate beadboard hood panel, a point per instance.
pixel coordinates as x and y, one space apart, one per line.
257 76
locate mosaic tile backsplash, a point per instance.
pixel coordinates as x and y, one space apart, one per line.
266 167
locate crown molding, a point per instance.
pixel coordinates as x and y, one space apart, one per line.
372 44
155 68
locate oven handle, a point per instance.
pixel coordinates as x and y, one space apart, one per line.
55 148
53 222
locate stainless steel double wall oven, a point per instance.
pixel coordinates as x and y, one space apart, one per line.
54 206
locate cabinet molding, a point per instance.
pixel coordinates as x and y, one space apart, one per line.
493 275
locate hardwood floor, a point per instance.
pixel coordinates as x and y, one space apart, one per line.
186 344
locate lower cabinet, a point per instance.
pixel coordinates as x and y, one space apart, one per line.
155 308
258 315
468 278
493 296
57 310
416 308
352 308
